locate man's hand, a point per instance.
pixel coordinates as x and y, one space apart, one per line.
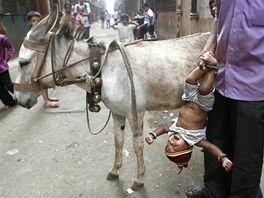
208 58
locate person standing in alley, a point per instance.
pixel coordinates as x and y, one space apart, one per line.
107 19
116 16
86 11
102 18
125 28
149 21
6 85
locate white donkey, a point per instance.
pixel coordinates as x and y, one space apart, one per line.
159 69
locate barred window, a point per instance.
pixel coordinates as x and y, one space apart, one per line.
16 7
166 5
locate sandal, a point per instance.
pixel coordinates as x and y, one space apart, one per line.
51 104
197 191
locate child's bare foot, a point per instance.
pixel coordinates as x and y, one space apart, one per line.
53 99
49 104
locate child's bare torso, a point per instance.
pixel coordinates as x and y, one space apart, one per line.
191 117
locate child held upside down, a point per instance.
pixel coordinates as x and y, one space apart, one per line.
189 128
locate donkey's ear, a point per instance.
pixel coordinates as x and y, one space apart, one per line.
102 48
67 28
45 25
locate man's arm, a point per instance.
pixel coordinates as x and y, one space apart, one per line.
151 15
88 8
211 43
75 8
150 20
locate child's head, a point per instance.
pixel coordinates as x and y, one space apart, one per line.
33 18
81 2
145 7
81 10
178 151
213 8
68 8
2 28
124 18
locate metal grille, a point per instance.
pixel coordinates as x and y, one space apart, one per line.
158 5
16 7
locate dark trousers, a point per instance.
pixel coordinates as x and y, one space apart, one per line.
237 127
144 28
5 86
87 32
6 81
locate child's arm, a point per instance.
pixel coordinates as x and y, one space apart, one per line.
153 135
214 150
133 22
10 49
115 23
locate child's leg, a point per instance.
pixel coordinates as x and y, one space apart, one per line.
194 76
5 96
7 82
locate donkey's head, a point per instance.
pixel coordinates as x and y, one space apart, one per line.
31 52
42 49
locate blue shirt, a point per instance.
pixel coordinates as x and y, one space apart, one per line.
240 49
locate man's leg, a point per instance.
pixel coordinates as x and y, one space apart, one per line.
248 125
141 30
218 132
151 29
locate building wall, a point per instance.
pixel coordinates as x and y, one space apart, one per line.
14 18
13 15
174 19
16 30
166 25
180 22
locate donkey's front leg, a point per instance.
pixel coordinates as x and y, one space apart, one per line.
119 127
138 143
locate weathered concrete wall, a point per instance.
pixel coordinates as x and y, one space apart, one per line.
166 25
181 22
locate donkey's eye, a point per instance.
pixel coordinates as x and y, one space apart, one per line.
23 63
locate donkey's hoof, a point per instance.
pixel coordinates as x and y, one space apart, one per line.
137 186
112 176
